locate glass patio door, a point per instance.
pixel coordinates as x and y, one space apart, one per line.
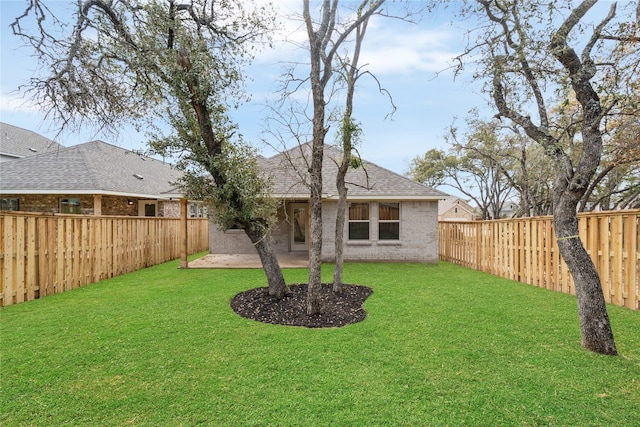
299 227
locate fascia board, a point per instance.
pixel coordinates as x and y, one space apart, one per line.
90 192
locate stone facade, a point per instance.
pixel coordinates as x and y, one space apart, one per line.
169 209
110 205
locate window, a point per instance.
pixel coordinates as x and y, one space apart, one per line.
9 204
389 221
196 210
71 206
148 208
358 221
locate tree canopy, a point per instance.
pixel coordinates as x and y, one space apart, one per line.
174 69
539 113
533 55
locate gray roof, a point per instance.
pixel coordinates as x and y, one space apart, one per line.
100 168
90 168
16 142
369 181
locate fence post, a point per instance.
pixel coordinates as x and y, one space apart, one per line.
184 250
526 250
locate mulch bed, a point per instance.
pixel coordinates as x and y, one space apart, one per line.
337 309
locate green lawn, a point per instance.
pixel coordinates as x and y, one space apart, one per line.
441 346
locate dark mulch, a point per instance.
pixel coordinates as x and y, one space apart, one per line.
337 309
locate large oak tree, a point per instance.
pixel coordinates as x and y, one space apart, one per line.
527 50
326 35
173 67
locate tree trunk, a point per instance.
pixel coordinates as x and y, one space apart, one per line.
316 50
275 278
349 132
322 49
315 249
253 229
340 220
595 328
571 179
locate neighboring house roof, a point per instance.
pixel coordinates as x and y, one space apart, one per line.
452 202
90 168
16 143
369 181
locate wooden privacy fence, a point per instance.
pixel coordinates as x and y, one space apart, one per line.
526 250
44 254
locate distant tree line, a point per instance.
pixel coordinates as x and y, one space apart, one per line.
494 164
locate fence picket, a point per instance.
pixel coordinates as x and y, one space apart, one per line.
8 288
631 261
30 273
20 255
616 254
525 249
46 254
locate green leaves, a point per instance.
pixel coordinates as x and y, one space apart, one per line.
116 62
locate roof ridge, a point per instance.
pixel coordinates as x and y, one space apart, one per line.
86 159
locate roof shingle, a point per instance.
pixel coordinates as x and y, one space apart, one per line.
93 167
290 176
16 142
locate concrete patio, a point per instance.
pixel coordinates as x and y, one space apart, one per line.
288 260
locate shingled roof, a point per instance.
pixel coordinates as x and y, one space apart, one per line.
290 177
90 168
16 142
100 168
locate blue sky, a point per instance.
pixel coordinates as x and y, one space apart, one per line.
406 59
411 61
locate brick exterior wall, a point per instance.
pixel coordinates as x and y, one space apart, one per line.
50 203
418 236
111 205
237 242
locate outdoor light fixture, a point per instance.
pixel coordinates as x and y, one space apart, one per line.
129 202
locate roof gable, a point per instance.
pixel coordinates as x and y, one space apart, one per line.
452 202
289 173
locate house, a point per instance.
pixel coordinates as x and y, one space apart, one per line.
94 178
390 217
17 143
456 209
510 209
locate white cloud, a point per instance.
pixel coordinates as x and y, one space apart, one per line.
392 51
390 47
11 102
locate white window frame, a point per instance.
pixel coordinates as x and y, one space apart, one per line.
361 221
389 221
